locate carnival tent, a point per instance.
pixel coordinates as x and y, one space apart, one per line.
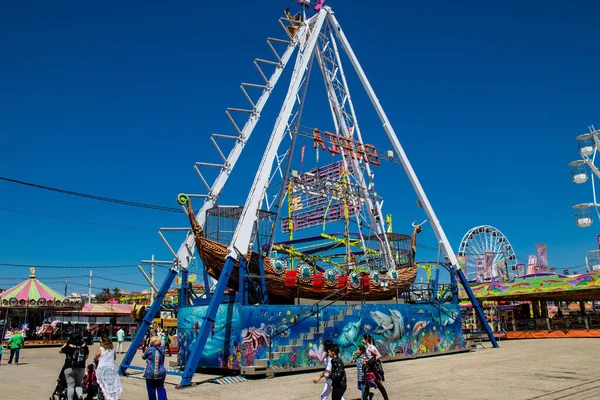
31 292
107 309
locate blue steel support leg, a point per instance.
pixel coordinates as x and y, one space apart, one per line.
242 293
476 306
206 284
435 283
147 321
454 288
207 324
263 281
184 289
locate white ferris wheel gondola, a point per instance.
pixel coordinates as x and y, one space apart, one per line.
487 239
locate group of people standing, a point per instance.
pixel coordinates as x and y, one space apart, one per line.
76 353
368 365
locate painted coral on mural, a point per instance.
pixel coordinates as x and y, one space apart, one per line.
399 330
295 335
408 330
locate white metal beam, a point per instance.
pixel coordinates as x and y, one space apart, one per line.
232 158
243 233
393 138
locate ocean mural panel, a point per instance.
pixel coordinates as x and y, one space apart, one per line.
281 337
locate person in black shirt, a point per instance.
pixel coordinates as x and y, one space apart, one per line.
76 353
337 374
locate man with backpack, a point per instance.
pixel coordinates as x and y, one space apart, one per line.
76 353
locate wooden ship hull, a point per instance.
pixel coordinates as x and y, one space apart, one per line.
213 256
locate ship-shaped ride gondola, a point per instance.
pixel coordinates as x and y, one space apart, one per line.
310 280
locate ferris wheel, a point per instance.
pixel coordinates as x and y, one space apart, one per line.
487 254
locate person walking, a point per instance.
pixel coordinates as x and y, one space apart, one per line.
360 358
15 343
106 371
155 372
120 340
337 374
168 344
76 354
374 370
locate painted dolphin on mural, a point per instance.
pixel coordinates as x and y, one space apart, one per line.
448 316
391 327
349 334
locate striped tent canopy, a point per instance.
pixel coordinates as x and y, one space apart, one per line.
29 292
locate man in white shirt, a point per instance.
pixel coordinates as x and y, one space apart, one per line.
120 340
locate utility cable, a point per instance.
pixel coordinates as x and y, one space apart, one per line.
75 221
67 266
93 197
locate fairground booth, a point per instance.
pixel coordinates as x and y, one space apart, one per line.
543 305
102 319
31 308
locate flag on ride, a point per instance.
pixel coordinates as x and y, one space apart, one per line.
542 257
531 265
489 265
479 269
290 278
365 283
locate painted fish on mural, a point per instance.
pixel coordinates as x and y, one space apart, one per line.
391 326
349 335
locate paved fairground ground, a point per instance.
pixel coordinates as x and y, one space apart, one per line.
521 369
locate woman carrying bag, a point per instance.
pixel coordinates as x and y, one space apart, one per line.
374 369
155 370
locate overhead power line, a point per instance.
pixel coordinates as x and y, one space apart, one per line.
67 266
93 197
75 221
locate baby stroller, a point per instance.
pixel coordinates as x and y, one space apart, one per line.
60 391
90 384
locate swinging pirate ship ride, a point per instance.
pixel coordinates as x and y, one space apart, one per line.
321 265
363 256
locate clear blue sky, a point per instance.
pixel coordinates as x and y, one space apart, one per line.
119 100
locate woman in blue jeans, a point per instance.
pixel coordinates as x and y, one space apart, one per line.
155 370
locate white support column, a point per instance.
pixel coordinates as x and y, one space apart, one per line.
343 127
378 206
188 244
242 235
391 134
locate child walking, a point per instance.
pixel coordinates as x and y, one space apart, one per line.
337 374
360 358
327 388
